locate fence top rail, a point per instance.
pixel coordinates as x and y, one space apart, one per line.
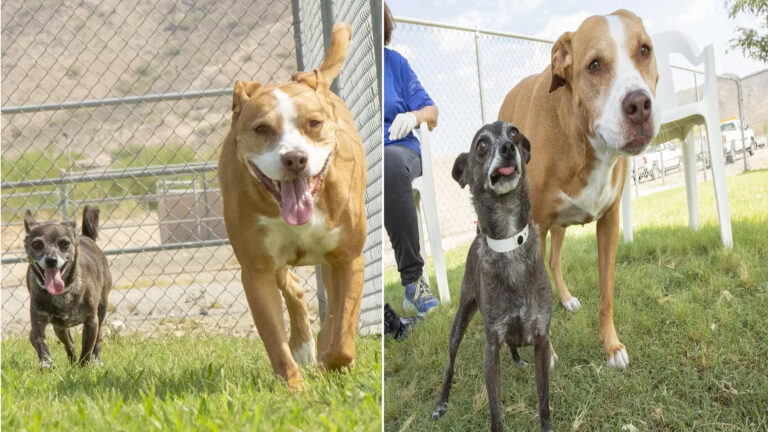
189 168
93 103
438 24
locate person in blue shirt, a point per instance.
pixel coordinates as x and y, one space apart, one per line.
406 106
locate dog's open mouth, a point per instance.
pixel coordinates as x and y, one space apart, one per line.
294 196
501 172
52 280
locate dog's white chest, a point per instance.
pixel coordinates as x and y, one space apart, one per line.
299 245
594 200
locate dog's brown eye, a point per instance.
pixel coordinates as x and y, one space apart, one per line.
645 50
37 244
594 66
482 146
261 130
64 245
314 123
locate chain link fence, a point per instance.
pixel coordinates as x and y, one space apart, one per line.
469 71
125 105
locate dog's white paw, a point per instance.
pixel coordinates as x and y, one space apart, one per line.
305 354
619 359
572 305
552 360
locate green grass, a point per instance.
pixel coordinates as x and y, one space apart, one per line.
213 383
694 318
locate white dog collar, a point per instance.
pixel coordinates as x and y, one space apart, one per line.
508 244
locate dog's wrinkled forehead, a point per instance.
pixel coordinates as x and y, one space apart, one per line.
52 230
494 133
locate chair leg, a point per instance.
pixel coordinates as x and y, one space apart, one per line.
420 219
626 209
689 165
429 203
714 137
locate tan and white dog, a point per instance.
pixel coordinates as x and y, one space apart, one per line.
589 110
293 177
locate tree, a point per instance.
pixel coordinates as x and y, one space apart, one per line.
752 42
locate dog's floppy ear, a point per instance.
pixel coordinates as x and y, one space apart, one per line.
29 221
242 92
526 146
562 62
321 79
459 167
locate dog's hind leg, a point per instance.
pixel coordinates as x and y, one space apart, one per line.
65 336
90 334
467 310
301 342
516 356
542 363
102 313
566 299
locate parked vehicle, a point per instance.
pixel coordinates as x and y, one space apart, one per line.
665 156
732 139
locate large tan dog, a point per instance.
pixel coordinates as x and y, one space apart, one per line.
293 176
584 114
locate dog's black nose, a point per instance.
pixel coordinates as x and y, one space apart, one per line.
636 106
51 262
295 161
507 149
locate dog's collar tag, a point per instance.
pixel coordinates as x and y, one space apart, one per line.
508 244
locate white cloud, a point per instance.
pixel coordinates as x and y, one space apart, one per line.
559 24
697 10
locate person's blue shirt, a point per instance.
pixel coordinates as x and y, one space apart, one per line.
402 93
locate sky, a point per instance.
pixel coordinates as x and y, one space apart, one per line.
704 21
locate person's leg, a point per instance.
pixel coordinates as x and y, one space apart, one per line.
401 166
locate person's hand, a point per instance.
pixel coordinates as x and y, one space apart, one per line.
401 125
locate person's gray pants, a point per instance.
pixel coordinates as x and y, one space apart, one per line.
401 166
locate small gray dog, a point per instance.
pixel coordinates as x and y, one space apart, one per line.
505 277
69 281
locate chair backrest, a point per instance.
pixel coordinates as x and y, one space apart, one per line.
673 42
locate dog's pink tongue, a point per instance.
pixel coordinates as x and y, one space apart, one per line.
295 201
54 284
506 170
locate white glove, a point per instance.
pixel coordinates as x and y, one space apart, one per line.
401 125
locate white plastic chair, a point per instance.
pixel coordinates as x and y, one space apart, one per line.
426 210
678 121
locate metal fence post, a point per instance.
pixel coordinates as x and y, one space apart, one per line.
327 12
296 9
741 125
480 75
64 200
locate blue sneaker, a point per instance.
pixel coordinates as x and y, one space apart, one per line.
418 298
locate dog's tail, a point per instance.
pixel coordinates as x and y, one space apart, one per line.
334 59
91 222
340 37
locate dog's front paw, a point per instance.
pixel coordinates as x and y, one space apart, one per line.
571 305
619 359
305 353
552 359
47 365
439 410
